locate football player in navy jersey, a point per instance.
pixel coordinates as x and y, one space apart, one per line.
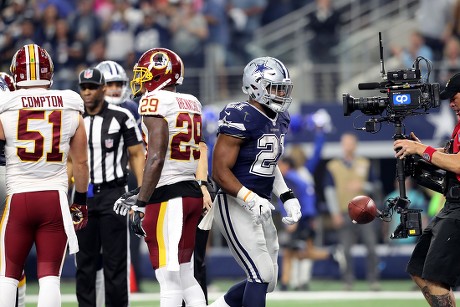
250 141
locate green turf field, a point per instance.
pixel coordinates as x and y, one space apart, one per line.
399 293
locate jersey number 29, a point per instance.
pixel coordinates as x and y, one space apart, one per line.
182 142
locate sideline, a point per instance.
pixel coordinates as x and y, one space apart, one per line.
281 296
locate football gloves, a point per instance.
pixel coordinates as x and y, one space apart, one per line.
136 221
259 207
292 207
79 214
126 201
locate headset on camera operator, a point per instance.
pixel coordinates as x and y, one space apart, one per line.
434 264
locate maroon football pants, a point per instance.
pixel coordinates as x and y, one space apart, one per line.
33 217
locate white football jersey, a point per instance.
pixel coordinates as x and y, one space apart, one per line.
38 125
183 115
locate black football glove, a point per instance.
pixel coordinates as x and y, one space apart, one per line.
136 221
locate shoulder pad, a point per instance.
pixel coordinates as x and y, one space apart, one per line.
232 118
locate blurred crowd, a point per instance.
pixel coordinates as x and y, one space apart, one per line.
82 33
436 38
79 34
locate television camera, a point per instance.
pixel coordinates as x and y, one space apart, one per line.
407 94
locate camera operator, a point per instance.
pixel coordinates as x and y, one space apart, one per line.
434 265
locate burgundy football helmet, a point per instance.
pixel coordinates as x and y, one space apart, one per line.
32 66
157 68
8 80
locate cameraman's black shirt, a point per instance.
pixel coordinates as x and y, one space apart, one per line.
450 210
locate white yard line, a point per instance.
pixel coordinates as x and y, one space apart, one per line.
282 296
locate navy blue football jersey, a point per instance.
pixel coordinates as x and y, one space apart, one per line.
263 144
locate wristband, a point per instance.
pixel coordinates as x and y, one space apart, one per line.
244 193
286 196
428 153
202 183
79 198
141 203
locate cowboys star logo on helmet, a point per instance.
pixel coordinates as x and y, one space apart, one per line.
261 68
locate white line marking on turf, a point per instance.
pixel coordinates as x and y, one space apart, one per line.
280 296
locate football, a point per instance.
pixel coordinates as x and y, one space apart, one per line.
362 209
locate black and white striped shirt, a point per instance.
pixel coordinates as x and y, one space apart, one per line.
110 133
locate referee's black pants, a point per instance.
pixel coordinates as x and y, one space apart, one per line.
108 231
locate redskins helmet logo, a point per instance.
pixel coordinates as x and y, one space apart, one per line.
160 61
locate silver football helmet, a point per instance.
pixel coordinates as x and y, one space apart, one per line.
113 72
267 81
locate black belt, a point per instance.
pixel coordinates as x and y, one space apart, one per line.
98 187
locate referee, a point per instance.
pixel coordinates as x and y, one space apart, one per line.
113 140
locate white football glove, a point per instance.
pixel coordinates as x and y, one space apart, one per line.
292 207
259 207
125 202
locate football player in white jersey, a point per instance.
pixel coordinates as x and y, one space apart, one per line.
249 143
41 127
170 201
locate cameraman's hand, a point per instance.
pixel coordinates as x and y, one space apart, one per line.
406 148
413 137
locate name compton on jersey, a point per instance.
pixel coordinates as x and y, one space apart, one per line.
42 101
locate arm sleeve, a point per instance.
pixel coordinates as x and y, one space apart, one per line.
279 185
